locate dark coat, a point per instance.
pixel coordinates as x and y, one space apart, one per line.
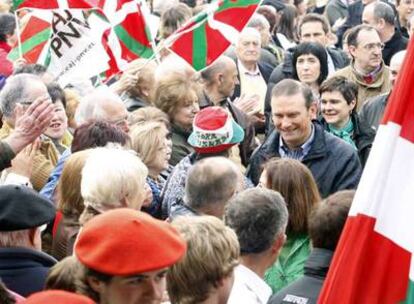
24 270
355 18
6 155
334 164
373 110
248 144
285 70
363 136
180 147
394 45
308 287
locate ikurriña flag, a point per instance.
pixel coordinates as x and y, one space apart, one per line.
208 34
373 261
119 27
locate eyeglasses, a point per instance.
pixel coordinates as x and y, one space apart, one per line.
371 46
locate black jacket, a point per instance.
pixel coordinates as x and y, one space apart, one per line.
355 18
307 288
334 164
24 270
363 136
373 110
395 44
285 70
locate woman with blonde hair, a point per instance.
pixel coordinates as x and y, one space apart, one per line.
294 181
70 205
152 142
147 114
177 96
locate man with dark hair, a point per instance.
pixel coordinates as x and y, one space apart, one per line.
259 217
354 18
209 186
367 68
333 163
339 116
381 16
325 227
312 28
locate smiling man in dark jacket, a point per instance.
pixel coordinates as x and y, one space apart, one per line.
334 163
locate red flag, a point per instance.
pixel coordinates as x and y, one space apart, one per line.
373 261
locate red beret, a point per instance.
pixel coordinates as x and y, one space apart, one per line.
57 296
126 242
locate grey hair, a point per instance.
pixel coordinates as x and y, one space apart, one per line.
258 216
258 20
18 238
16 91
92 105
248 31
384 11
212 180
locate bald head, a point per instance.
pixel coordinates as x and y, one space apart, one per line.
381 16
220 78
211 182
396 64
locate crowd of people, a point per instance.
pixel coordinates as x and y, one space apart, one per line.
167 185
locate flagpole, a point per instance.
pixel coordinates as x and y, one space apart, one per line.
19 42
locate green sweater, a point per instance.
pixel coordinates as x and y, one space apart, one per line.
289 265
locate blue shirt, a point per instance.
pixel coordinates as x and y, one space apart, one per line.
298 153
48 190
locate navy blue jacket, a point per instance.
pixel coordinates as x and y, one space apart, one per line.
334 163
24 270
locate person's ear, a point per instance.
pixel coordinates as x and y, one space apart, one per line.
352 49
220 78
381 23
97 285
353 105
313 110
278 243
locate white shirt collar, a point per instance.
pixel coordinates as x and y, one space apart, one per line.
248 287
244 71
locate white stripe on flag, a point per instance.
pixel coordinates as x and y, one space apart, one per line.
229 32
386 189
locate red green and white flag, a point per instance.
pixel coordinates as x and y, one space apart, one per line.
34 39
129 37
126 37
373 261
54 4
208 34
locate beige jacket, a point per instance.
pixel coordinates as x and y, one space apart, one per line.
380 85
